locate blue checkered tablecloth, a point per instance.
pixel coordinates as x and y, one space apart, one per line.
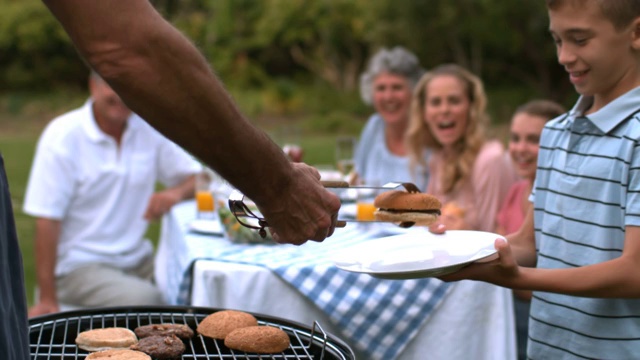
379 317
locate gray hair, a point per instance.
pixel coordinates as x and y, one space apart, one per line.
397 61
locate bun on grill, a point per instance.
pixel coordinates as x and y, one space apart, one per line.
258 339
118 354
221 323
106 339
400 206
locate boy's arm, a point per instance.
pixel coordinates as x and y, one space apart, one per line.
615 278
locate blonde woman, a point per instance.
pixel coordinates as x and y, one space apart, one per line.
448 117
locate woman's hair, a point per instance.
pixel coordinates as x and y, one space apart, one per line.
459 163
620 12
546 109
397 61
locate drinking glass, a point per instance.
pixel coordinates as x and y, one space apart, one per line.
364 207
205 200
345 149
289 137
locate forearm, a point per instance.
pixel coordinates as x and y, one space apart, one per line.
186 189
611 279
615 278
46 250
162 77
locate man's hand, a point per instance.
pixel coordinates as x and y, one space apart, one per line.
502 271
160 203
306 210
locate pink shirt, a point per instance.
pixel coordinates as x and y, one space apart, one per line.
481 197
511 214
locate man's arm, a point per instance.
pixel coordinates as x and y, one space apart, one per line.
46 253
162 77
163 200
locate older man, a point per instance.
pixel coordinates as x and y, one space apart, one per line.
91 190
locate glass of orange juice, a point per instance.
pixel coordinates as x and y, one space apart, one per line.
205 201
365 210
364 205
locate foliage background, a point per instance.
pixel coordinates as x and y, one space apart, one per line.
277 49
286 62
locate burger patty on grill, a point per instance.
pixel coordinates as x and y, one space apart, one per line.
182 331
160 347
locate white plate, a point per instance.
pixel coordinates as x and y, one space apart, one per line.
418 254
207 227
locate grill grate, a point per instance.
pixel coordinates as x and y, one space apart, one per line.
53 336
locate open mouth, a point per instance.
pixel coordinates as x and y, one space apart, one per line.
446 125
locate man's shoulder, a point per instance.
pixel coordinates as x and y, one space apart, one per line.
67 121
62 127
144 128
375 123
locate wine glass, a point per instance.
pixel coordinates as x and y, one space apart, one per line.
290 140
345 149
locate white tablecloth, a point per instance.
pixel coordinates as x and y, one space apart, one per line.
461 321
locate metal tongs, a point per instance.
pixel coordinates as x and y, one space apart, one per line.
242 212
410 187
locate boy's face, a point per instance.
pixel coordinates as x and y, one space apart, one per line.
600 60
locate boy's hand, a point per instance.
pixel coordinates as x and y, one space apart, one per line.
501 271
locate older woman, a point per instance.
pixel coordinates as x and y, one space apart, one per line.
448 116
387 84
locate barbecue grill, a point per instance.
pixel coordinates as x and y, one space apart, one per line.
53 336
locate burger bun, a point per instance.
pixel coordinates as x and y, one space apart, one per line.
400 206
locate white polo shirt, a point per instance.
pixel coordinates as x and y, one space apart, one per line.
100 191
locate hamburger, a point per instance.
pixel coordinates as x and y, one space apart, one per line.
399 206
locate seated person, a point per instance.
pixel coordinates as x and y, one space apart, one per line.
465 166
91 190
387 84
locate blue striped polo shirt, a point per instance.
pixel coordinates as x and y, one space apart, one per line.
587 190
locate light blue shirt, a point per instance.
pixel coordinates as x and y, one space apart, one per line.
376 165
587 190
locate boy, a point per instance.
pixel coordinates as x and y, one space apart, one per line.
584 219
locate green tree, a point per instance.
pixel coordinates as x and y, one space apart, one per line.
506 43
35 52
327 38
